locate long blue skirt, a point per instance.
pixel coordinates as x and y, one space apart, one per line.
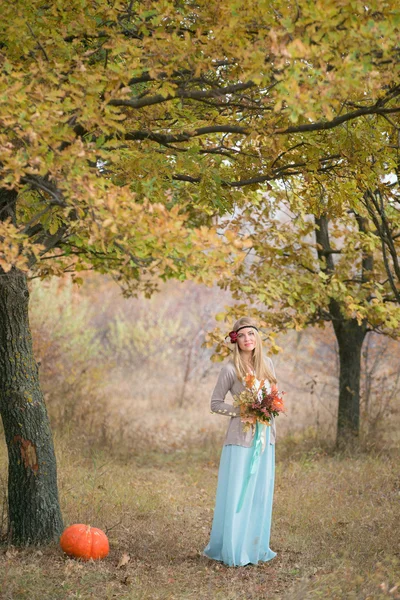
243 509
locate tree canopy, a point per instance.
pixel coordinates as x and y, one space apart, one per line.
307 269
127 127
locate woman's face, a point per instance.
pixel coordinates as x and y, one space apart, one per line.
246 339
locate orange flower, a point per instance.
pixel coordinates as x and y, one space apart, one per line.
250 380
277 404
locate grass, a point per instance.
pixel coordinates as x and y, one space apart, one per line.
335 529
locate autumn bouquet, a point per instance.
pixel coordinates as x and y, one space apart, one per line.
257 403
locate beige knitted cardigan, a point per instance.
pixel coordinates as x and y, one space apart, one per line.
229 382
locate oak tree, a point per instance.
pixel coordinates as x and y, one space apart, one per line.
310 268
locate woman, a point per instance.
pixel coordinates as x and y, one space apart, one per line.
242 517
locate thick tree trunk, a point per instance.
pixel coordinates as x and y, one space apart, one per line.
350 336
34 512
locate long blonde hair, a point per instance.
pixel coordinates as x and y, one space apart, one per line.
260 367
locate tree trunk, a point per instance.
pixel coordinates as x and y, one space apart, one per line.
34 512
350 336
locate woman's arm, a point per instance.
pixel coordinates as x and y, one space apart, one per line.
224 383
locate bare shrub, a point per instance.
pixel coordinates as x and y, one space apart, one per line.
125 372
68 353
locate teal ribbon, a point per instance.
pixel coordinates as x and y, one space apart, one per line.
255 459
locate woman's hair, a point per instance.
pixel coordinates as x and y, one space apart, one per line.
261 369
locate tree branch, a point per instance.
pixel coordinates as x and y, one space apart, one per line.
378 216
164 138
181 93
324 125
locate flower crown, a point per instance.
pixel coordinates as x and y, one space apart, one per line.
234 334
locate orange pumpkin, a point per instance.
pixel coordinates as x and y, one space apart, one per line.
84 541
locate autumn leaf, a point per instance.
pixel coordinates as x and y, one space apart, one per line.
123 561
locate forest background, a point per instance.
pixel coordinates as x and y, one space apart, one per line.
110 367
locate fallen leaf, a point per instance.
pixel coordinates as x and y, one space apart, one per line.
123 561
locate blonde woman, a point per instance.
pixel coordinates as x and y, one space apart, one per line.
242 517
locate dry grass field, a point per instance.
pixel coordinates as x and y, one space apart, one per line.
335 528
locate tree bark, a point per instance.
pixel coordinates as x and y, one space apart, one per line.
350 337
33 506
